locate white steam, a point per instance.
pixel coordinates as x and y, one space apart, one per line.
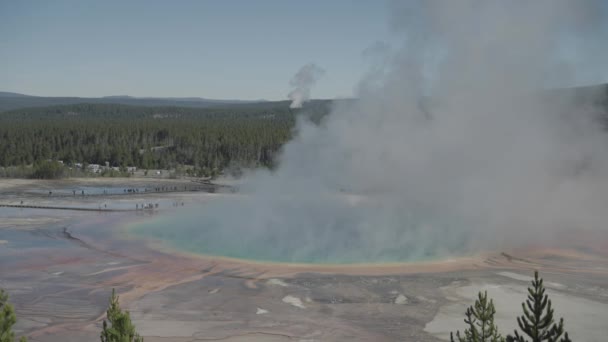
452 145
303 81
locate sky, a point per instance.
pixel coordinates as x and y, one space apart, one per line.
221 49
215 49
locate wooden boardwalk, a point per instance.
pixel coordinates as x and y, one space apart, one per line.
30 206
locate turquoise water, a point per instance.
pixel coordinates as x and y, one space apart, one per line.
321 233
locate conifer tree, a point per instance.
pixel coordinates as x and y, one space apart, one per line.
480 318
120 328
7 319
537 321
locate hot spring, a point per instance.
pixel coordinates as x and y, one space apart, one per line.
327 230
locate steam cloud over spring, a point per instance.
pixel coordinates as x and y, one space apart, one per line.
303 81
453 144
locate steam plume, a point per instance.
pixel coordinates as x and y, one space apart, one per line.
303 81
489 160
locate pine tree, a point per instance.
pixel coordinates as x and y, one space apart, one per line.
480 318
120 328
537 321
7 319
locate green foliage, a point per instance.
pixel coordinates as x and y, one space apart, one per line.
537 321
480 319
149 137
20 171
120 328
7 319
48 170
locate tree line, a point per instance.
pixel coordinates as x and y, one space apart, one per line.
150 137
537 322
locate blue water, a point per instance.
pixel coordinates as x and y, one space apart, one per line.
48 237
316 234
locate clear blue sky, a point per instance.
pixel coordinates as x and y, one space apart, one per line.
245 49
216 49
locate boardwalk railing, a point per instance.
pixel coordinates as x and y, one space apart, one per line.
32 206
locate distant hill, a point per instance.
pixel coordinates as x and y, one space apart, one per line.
9 94
276 110
10 101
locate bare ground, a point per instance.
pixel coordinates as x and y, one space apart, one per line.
60 287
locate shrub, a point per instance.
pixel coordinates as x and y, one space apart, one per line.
120 327
7 319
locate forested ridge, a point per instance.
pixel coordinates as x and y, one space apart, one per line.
151 137
11 101
166 137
